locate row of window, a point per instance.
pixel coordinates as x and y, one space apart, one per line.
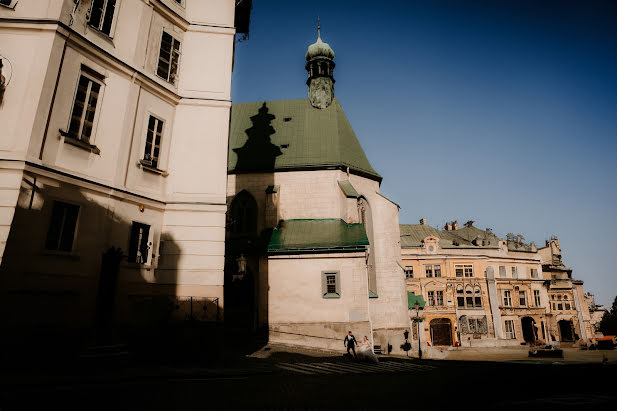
464 270
63 229
522 296
434 270
85 105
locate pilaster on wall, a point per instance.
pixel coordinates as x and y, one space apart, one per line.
494 302
11 175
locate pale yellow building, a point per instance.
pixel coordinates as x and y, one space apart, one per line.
484 291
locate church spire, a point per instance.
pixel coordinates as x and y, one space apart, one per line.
320 68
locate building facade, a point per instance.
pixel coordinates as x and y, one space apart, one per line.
312 244
115 126
479 290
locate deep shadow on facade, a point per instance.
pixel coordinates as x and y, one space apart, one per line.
106 236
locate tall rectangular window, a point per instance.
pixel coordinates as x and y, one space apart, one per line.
102 15
522 298
408 272
139 245
61 232
502 271
536 298
428 270
463 270
430 297
84 106
438 297
169 54
437 270
507 298
330 284
534 273
509 327
153 142
514 272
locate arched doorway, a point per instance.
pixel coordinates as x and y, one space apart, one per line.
529 329
566 330
441 331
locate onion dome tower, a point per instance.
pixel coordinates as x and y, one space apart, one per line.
320 68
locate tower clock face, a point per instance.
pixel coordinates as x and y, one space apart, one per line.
321 92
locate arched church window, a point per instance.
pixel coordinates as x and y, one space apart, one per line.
477 297
469 296
243 214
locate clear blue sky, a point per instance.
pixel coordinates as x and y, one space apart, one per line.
502 112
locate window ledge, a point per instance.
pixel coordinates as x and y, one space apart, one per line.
104 36
72 139
146 167
331 295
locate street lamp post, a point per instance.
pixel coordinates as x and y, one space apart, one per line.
417 307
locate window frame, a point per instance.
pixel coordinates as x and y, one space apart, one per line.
433 269
143 161
464 270
507 299
502 271
114 19
158 58
522 298
510 335
324 284
534 273
537 298
408 272
149 243
75 230
514 272
95 77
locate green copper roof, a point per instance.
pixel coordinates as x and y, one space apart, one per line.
348 189
412 298
291 135
317 235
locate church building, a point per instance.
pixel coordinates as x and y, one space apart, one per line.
312 247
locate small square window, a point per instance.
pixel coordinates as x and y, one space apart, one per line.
408 272
330 284
502 271
534 273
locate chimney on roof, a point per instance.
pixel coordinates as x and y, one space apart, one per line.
448 227
469 223
423 221
455 225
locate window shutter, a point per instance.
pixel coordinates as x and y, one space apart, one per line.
324 289
338 283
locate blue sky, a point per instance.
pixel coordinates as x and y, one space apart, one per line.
501 112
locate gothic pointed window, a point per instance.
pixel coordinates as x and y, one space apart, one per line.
243 214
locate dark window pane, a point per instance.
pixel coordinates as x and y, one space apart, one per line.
478 301
109 16
96 13
55 226
469 301
68 231
460 301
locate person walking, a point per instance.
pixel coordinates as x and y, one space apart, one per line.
350 342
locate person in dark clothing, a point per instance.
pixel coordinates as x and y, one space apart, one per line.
350 342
